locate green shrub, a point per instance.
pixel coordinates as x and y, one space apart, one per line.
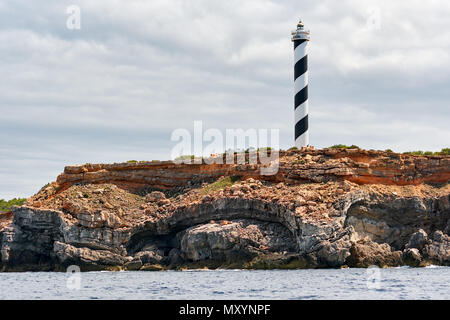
443 152
185 157
220 184
142 161
416 153
7 205
343 146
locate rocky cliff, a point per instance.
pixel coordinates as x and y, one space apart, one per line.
322 208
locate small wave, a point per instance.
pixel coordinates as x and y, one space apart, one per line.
307 297
198 270
218 292
231 270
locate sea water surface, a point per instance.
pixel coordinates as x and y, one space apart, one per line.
392 283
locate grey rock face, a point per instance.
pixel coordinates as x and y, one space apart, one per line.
328 244
238 238
412 257
40 239
438 250
393 220
424 249
334 254
418 240
28 241
175 257
134 264
152 257
70 255
365 252
364 229
447 229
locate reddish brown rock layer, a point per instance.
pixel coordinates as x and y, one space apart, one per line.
355 165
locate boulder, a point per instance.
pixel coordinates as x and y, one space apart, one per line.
238 239
85 257
412 257
333 254
152 257
365 253
175 257
438 250
151 267
418 240
155 196
134 264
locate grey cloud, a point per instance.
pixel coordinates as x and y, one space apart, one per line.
137 70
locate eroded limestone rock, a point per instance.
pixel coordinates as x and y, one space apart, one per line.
323 208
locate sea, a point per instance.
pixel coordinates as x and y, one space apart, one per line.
400 283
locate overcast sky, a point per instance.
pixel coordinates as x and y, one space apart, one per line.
114 90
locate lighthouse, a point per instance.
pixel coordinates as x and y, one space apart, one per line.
300 38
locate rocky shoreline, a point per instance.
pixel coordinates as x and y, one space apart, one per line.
326 208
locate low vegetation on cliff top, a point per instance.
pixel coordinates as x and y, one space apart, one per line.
6 206
343 146
443 152
335 146
220 184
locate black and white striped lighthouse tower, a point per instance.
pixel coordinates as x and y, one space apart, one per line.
300 37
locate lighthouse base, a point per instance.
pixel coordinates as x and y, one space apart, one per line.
302 141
